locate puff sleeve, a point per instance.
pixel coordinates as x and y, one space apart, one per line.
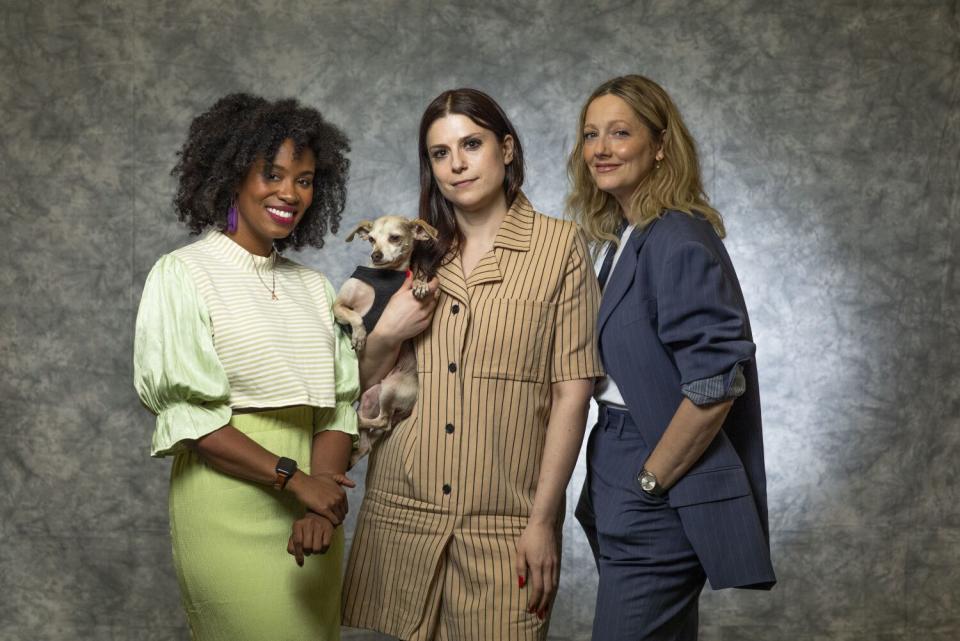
575 353
176 370
703 323
346 371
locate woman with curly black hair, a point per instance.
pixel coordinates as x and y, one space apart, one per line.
252 382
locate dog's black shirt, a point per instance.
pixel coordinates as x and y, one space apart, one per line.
385 283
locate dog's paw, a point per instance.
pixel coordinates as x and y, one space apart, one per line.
377 423
420 289
358 339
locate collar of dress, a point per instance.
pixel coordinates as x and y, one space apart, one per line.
234 253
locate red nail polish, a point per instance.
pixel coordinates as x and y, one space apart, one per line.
541 614
521 581
409 273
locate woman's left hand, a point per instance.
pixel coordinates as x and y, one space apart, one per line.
538 566
311 535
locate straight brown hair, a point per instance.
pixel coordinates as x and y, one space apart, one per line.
434 208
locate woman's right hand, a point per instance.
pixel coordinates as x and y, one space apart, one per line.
322 494
404 316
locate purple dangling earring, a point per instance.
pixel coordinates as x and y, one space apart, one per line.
232 215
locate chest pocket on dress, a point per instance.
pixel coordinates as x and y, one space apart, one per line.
513 339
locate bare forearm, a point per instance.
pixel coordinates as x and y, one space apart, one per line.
330 452
232 452
688 436
568 417
377 358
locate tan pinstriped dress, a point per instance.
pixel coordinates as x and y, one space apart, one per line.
449 491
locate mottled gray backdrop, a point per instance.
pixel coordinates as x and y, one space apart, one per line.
829 134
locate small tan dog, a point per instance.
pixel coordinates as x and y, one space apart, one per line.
359 305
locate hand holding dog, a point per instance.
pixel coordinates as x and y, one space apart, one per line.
322 494
406 316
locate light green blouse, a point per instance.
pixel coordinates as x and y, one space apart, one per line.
210 339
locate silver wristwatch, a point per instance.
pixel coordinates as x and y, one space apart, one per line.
649 484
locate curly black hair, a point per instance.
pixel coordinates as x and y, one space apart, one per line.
229 138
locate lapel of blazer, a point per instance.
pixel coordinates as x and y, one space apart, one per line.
623 274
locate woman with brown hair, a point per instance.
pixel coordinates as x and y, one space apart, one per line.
459 533
676 490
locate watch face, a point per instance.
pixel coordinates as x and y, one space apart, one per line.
648 482
286 466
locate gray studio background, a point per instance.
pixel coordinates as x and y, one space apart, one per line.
829 136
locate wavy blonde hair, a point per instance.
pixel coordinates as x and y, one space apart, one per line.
674 184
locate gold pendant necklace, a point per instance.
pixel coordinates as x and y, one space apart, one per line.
273 270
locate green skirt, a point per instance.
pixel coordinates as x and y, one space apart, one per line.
237 581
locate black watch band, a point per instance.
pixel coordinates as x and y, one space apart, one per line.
286 467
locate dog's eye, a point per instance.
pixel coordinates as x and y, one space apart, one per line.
394 238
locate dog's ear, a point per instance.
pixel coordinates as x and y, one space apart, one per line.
362 230
422 230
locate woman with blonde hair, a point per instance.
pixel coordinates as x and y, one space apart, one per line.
676 490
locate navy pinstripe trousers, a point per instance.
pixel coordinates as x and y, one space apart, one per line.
650 576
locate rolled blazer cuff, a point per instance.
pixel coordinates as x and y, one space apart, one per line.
701 318
715 389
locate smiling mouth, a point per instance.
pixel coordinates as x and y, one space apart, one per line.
603 169
282 216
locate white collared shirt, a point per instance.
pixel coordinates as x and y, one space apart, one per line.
606 390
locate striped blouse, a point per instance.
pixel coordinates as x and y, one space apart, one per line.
211 339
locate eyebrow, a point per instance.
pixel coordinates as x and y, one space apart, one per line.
476 134
617 121
274 165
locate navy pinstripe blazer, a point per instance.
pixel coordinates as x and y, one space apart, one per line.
672 313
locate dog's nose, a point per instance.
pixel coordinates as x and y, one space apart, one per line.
377 256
